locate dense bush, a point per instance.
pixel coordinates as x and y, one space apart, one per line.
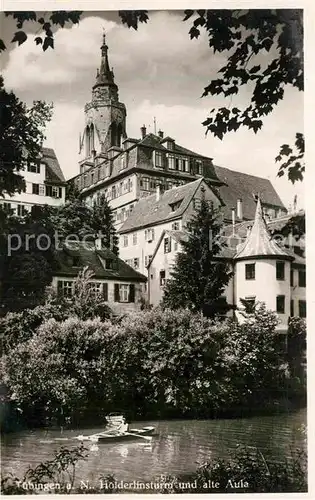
247 472
17 327
154 363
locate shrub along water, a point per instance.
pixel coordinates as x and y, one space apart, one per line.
246 472
149 364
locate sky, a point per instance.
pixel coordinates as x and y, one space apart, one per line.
161 73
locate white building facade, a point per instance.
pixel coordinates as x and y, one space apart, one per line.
44 185
262 270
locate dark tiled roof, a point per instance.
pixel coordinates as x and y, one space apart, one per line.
244 186
53 170
272 224
150 211
87 256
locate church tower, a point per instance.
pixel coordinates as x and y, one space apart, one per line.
105 116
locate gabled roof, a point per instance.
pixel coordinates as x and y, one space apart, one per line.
88 256
177 235
149 211
53 170
259 242
244 186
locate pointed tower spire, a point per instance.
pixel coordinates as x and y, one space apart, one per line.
104 76
259 242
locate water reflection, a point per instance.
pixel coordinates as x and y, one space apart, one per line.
177 448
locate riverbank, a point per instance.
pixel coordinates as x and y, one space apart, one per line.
175 450
247 471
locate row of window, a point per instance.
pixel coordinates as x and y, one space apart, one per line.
122 292
250 273
123 214
20 209
280 307
151 183
178 163
249 303
43 190
149 235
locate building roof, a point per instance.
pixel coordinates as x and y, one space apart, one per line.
244 186
149 211
53 170
86 255
259 242
273 225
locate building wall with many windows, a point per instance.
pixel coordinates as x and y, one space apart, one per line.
44 185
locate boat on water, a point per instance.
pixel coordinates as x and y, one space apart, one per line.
117 430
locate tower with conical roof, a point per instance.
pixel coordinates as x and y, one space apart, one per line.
105 116
262 270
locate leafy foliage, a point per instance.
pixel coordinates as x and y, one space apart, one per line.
199 277
161 363
27 263
294 165
18 327
21 138
58 471
28 270
45 25
248 465
85 303
77 218
276 34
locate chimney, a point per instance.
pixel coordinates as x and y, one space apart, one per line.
143 131
233 221
239 209
161 134
158 192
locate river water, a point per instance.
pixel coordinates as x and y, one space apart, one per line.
177 448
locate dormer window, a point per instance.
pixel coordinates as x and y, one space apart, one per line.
34 167
199 169
158 159
175 206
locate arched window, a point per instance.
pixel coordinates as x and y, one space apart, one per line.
92 146
87 141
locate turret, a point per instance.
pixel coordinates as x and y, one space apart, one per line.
262 270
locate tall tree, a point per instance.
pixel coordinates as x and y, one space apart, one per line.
102 223
21 137
199 276
27 249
